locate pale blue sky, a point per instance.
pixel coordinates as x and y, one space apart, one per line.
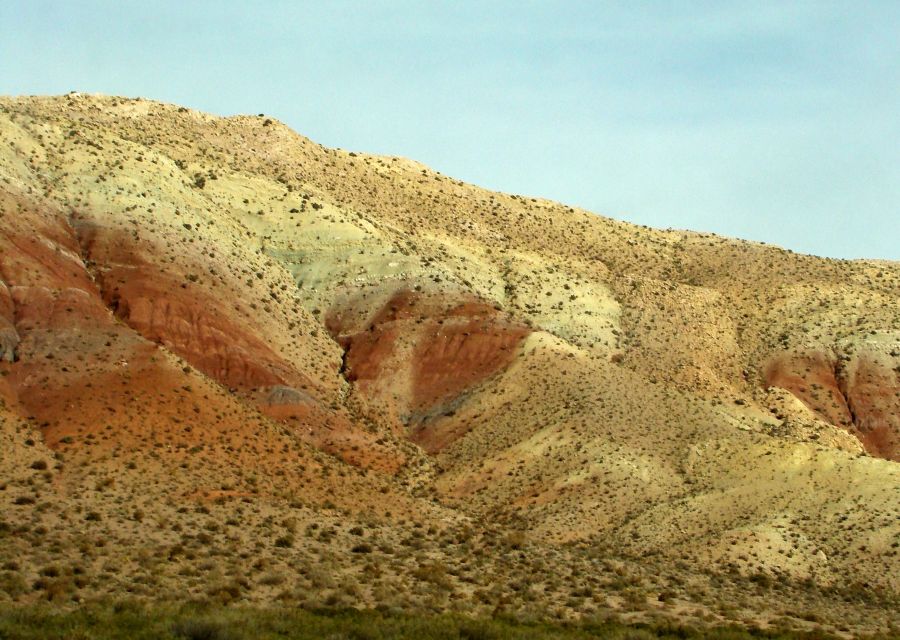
773 121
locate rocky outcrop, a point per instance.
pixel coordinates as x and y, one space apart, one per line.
9 340
9 337
280 395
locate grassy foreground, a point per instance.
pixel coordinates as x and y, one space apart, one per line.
199 622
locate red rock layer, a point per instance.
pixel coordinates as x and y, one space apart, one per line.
471 344
812 378
421 352
169 309
859 393
86 377
78 371
873 395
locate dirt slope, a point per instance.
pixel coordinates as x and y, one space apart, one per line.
217 316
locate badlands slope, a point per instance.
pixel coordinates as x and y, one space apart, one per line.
241 365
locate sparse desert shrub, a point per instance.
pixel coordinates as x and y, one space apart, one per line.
272 579
515 540
55 589
284 542
13 584
226 592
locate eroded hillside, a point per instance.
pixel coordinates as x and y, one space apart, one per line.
244 335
